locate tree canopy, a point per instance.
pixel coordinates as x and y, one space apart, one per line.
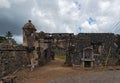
2 38
9 35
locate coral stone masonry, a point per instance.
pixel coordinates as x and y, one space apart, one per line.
84 50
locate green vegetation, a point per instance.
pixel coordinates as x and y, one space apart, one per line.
9 35
63 57
2 38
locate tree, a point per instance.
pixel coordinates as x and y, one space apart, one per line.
9 35
2 39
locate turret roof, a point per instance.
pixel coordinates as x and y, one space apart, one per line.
29 25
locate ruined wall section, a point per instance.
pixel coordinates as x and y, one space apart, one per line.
82 41
43 43
12 57
101 43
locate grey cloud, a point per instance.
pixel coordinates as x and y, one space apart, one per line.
14 17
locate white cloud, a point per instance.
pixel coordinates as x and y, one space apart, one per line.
68 13
18 39
104 5
68 29
63 15
18 1
37 12
4 4
89 28
103 20
68 8
65 6
48 24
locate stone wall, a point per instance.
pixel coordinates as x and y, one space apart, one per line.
102 43
11 58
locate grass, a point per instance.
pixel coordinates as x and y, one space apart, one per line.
63 57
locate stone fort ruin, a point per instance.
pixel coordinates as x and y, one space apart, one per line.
81 50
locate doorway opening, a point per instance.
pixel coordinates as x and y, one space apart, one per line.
87 63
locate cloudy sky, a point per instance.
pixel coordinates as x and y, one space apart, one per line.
73 16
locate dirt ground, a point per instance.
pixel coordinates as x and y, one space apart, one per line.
50 72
